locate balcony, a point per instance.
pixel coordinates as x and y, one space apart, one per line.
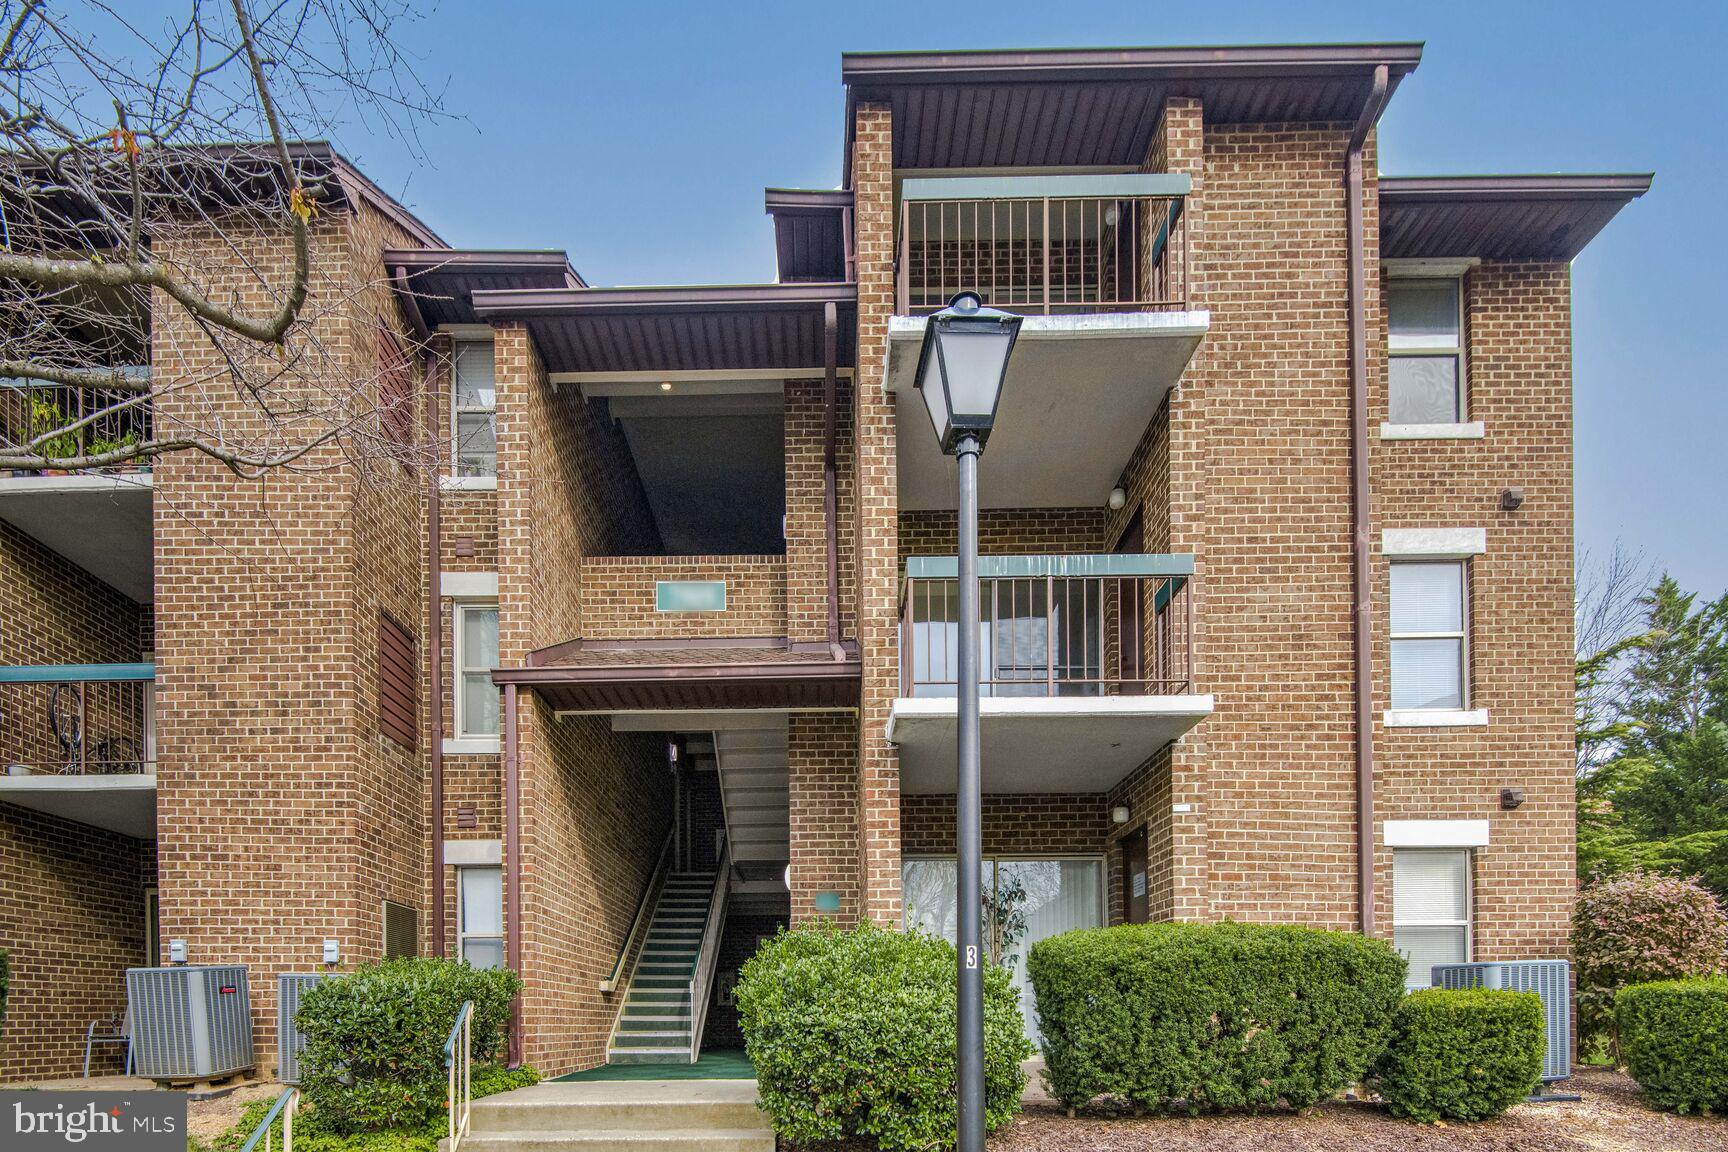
1086 669
78 741
1044 245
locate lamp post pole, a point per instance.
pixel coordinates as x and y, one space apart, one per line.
969 840
961 369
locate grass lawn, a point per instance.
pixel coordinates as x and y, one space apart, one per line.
1610 1118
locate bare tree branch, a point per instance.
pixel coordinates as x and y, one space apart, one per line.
159 209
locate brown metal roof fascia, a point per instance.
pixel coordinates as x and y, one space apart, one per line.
352 180
488 261
866 71
806 201
791 670
1622 186
669 298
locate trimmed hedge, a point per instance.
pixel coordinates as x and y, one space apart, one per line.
1214 1016
852 1035
1674 1035
374 1057
1462 1055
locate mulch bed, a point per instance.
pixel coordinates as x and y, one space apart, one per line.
1611 1117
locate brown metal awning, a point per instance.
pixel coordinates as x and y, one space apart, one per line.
1499 217
737 327
441 282
696 677
810 233
1100 106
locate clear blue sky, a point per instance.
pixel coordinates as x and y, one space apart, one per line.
638 137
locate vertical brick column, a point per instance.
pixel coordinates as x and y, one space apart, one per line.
806 511
877 536
822 781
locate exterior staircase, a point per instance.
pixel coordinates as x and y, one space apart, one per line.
654 1024
622 1116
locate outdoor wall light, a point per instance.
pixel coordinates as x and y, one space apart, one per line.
1118 498
1511 499
1511 798
961 368
1119 814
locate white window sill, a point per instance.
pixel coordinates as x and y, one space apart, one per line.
1435 718
468 483
471 746
1471 431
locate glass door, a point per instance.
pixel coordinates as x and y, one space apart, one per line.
1025 901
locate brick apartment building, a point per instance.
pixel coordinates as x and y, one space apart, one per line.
1278 559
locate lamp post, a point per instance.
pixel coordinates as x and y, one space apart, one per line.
960 372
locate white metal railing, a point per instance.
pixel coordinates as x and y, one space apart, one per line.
286 1105
707 959
459 1065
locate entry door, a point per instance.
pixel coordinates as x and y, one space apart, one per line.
1135 905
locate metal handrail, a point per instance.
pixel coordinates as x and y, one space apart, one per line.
460 1089
285 1107
644 916
707 959
1120 631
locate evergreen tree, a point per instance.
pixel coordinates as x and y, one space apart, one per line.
1679 674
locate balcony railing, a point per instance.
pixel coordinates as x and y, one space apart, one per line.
95 420
1114 625
77 719
1044 244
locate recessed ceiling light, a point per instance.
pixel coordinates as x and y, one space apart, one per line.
665 385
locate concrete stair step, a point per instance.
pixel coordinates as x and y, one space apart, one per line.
648 1055
627 1140
663 1038
564 1116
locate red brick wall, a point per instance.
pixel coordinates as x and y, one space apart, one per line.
72 919
285 817
1014 825
618 597
1519 356
877 542
822 793
1007 531
806 515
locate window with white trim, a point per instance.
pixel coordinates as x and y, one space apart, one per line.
480 916
476 654
474 409
1429 650
1430 909
1425 337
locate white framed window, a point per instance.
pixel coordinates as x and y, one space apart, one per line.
1430 652
480 916
1430 909
1425 337
476 654
474 409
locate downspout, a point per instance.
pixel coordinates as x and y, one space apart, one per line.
513 868
830 494
1362 570
434 607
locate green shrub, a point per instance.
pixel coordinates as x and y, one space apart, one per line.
1674 1034
374 1057
852 1035
1635 928
311 1134
1216 1016
1464 1055
5 981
